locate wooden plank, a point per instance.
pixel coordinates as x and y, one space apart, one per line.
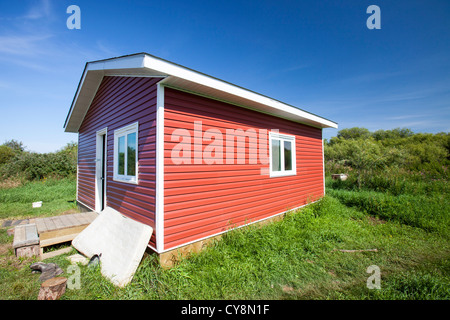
31 232
55 234
75 218
72 220
40 224
89 216
55 253
64 220
360 250
25 235
19 236
58 229
58 239
92 215
78 218
57 222
49 224
83 219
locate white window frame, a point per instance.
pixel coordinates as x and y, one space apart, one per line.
282 138
123 132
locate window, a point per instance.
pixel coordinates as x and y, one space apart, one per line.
282 154
125 153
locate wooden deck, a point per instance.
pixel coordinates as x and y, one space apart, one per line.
59 229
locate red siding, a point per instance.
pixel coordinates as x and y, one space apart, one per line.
121 101
201 200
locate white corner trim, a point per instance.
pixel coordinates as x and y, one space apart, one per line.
159 199
323 163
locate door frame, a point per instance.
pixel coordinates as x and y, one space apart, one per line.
101 148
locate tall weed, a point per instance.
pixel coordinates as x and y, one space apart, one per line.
427 212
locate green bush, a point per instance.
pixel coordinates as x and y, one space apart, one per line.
6 153
394 181
35 166
365 152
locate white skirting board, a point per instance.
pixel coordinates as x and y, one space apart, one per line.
121 241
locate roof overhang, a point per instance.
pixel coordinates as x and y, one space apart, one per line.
182 78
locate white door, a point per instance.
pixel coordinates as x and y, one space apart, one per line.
100 170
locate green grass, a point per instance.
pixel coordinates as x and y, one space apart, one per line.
428 212
57 195
295 258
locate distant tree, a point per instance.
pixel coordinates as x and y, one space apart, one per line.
354 133
396 133
35 166
6 153
363 155
16 146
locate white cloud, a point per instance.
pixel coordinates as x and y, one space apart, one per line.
39 11
23 44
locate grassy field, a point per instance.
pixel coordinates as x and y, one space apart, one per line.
57 195
296 258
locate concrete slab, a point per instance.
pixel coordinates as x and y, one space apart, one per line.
78 258
25 235
121 241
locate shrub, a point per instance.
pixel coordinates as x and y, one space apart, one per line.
36 166
354 133
16 146
373 157
6 153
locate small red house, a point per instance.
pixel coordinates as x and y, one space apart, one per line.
188 154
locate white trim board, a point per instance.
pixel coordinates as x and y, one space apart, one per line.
144 64
99 158
159 199
323 163
123 132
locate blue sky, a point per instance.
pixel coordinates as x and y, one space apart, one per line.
316 55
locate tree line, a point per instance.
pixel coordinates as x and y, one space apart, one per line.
362 152
18 163
354 150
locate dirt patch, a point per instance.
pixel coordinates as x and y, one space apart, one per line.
8 259
287 289
71 211
10 183
375 220
5 248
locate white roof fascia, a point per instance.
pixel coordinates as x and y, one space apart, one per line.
184 73
146 65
